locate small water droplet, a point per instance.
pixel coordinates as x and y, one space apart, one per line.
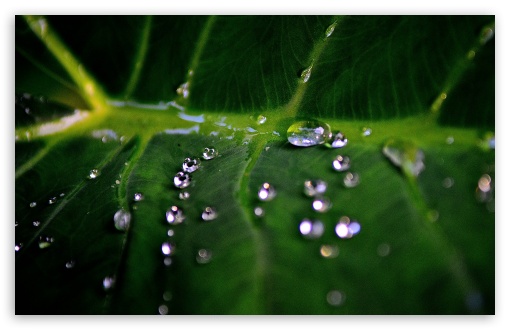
122 219
383 250
471 54
351 179
182 180
266 192
338 140
486 35
329 251
341 163
259 211
345 228
306 73
108 283
117 182
167 261
18 247
484 191
203 256
184 195
335 298
167 249
315 187
174 215
70 264
448 182
183 90
321 204
366 131
94 173
138 197
45 241
209 153
33 204
308 133
163 309
62 195
330 30
167 296
36 223
209 214
311 229
52 200
484 183
261 119
191 164
450 140
406 156
433 215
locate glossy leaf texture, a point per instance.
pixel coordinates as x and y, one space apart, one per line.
109 107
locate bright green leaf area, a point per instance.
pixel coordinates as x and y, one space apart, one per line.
108 107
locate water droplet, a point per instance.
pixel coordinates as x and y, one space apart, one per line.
18 247
329 251
209 214
108 283
351 179
52 200
70 264
335 298
184 195
209 153
471 54
182 180
433 215
94 173
306 73
191 164
167 248
311 229
266 192
167 296
163 309
488 142
138 197
338 140
484 183
167 261
33 204
330 30
406 156
308 133
450 140
321 204
62 195
366 131
486 35
174 215
484 191
341 163
170 232
259 211
16 223
383 250
261 119
448 182
36 223
203 256
122 219
117 182
183 90
45 241
345 228
315 187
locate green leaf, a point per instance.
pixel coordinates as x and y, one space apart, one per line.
108 107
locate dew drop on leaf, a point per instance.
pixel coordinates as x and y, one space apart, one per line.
138 197
321 204
170 232
33 204
450 139
18 247
183 195
329 251
190 164
108 283
338 140
335 298
94 173
261 119
341 163
203 256
163 309
259 211
266 192
175 215
52 200
36 223
366 131
330 30
182 180
209 153
406 156
167 296
486 35
315 187
183 90
351 179
122 219
70 264
45 241
167 249
448 182
311 229
306 73
383 250
308 133
209 213
167 261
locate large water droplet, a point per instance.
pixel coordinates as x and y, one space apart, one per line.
341 163
335 298
203 256
108 283
329 251
182 180
315 187
306 73
209 214
351 180
321 204
191 164
174 215
33 204
338 140
94 173
330 30
122 219
266 192
184 195
308 133
209 153
406 156
138 197
167 248
311 229
45 241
